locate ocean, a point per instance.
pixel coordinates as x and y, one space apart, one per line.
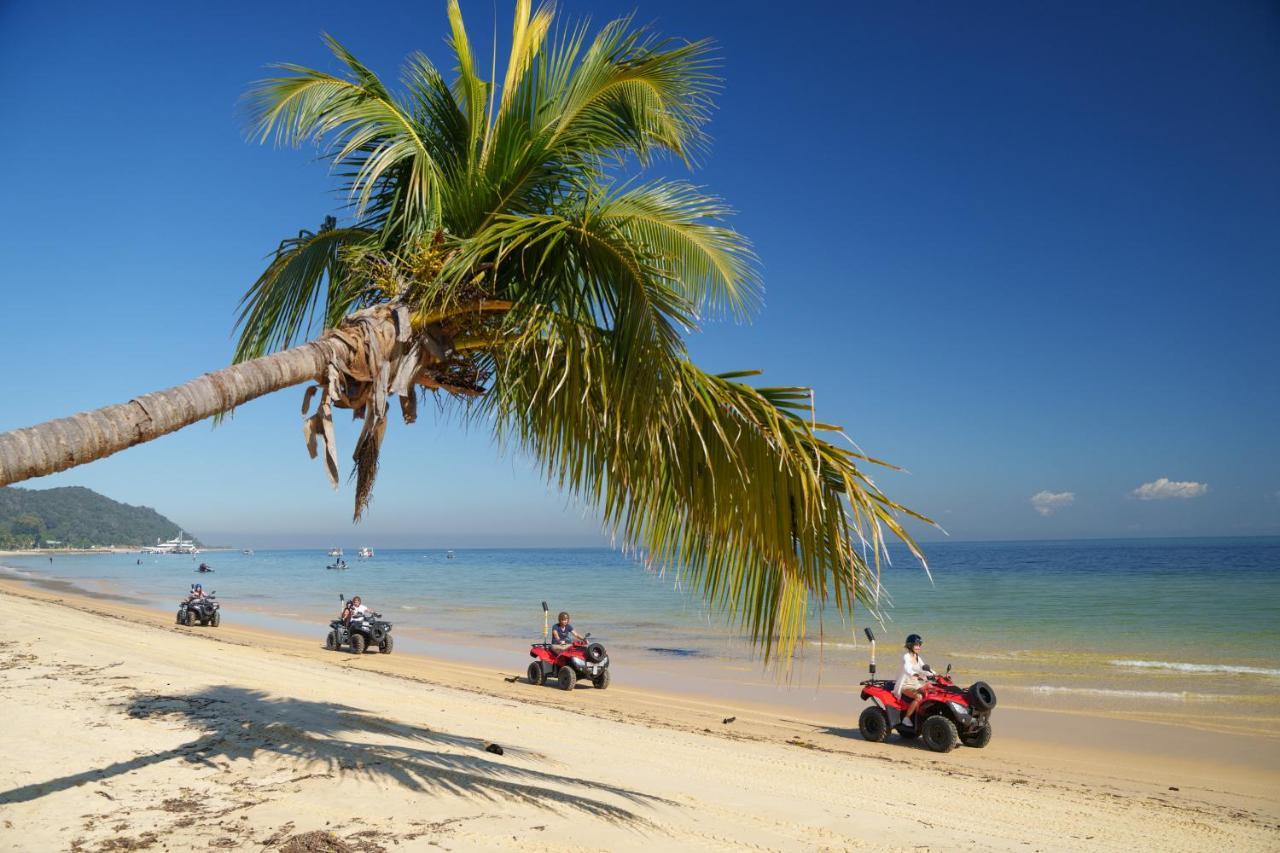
1177 630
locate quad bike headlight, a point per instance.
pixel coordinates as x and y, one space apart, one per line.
961 711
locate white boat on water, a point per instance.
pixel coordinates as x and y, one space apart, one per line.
366 552
448 555
335 552
177 545
248 552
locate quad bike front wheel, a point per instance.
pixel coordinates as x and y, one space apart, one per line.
978 739
601 681
535 674
180 617
386 645
216 619
357 643
873 724
566 677
939 733
191 619
331 641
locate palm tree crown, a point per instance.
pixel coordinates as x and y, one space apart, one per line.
494 255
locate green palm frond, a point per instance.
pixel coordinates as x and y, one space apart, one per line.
732 485
305 284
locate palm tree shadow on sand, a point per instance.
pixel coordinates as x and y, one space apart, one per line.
325 737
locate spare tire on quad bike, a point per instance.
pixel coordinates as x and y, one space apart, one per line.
981 697
595 653
874 724
376 633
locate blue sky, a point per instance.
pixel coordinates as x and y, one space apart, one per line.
1017 248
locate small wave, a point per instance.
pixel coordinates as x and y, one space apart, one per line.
408 607
1226 669
1045 689
679 653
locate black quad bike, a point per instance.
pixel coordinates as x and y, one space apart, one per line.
203 610
363 632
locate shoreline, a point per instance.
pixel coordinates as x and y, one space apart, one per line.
782 781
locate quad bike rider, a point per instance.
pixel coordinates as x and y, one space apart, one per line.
945 715
198 607
568 657
359 628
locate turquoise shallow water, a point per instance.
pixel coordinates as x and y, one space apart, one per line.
1117 621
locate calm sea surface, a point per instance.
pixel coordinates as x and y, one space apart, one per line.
1155 628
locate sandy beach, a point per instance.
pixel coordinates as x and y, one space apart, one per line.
125 732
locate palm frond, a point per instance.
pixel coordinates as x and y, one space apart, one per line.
305 284
730 484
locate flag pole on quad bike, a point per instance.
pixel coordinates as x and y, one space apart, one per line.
872 638
546 625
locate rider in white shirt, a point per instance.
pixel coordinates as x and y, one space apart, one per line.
914 675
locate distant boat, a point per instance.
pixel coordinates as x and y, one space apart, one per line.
448 555
365 553
177 545
247 552
335 552
340 565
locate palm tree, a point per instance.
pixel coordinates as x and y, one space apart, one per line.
497 257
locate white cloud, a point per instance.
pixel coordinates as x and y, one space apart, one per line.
1047 503
1165 489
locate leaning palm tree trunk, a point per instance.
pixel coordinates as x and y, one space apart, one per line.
88 436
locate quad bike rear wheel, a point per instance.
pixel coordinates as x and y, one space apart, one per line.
601 681
874 724
535 674
939 733
386 645
567 678
357 643
978 739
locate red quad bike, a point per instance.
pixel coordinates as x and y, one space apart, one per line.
567 666
948 715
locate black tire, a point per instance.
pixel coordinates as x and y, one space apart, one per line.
203 621
331 641
386 645
376 636
191 619
939 733
981 697
978 739
601 681
567 678
357 643
595 653
874 724
216 619
535 674
181 616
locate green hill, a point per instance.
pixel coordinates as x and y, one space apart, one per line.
77 517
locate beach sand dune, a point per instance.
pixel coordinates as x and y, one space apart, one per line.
122 733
